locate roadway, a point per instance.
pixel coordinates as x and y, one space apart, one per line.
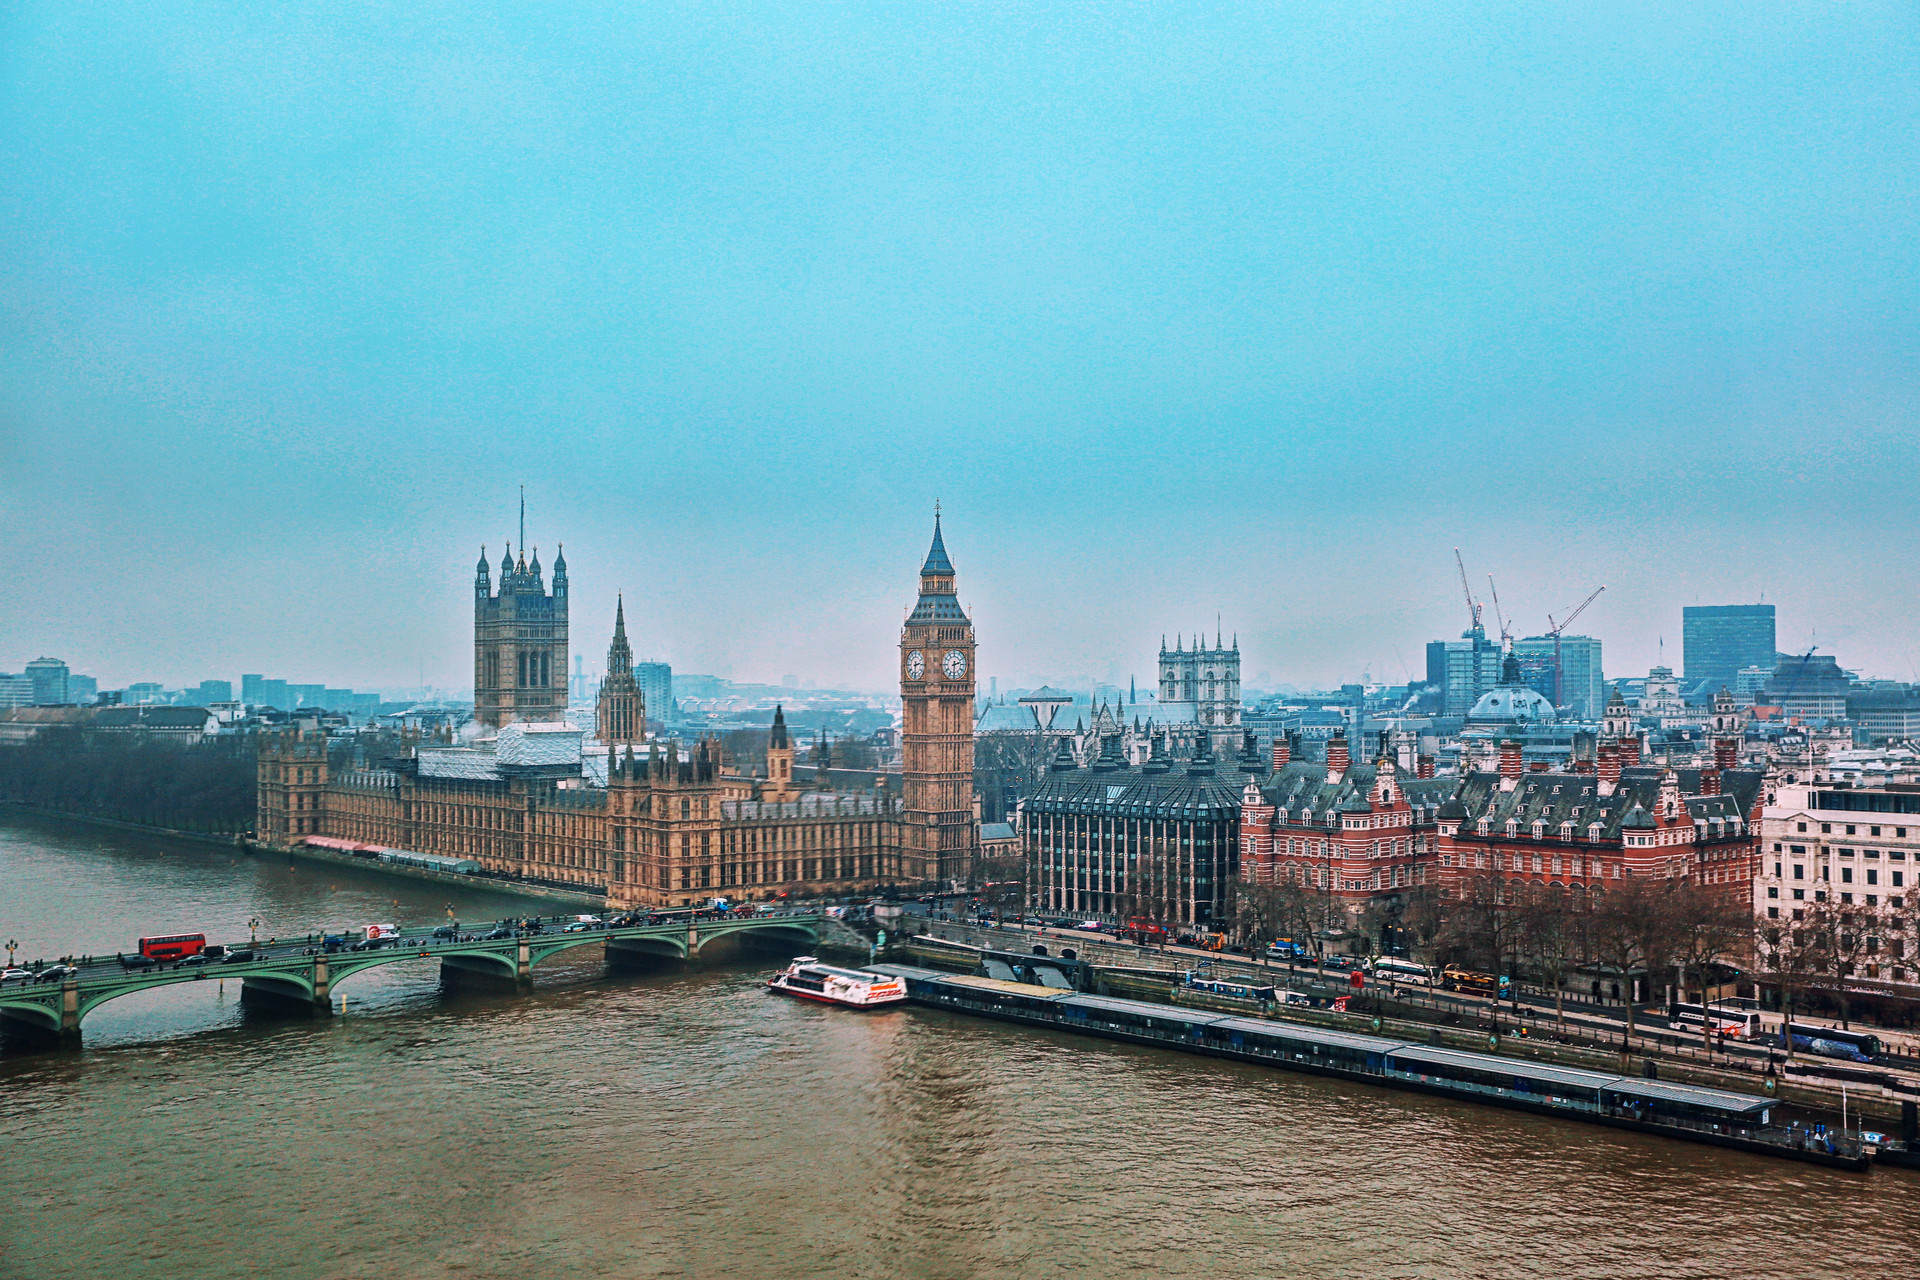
1535 1009
304 969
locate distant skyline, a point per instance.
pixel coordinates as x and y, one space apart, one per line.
1178 310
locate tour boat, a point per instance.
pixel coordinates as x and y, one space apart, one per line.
809 979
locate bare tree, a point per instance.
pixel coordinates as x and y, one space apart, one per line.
1705 929
1850 932
1629 932
1260 914
1484 924
1553 933
1793 953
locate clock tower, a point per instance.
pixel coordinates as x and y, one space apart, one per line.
938 834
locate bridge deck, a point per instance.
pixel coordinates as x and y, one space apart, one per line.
305 966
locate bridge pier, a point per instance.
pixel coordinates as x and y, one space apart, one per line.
642 954
491 974
290 995
32 1033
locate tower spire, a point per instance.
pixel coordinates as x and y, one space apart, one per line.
523 519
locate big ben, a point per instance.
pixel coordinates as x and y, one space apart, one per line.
938 835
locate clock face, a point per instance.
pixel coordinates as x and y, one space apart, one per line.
916 665
954 665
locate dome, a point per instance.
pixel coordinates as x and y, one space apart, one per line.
1511 704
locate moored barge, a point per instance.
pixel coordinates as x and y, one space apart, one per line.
1692 1113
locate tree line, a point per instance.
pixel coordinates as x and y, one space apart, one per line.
207 786
1544 934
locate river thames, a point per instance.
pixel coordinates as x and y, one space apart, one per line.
685 1123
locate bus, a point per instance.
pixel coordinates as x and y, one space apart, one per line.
1396 969
1229 987
1743 1023
172 946
1144 931
1858 1041
1479 984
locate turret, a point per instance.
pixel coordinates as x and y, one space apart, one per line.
482 578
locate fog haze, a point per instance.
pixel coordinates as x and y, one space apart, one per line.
1177 310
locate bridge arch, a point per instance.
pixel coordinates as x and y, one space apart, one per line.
37 1015
782 934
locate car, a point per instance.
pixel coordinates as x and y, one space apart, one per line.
579 926
55 973
193 961
239 955
498 935
137 962
446 931
5 974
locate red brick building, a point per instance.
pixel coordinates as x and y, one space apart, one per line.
1368 833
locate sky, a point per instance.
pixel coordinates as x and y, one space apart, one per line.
1179 311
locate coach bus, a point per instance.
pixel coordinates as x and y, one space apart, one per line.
1743 1023
1395 969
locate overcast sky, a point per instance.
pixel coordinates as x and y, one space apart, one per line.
1248 310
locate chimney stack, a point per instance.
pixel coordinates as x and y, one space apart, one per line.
1423 766
1510 766
1338 760
1282 751
1710 782
1726 753
1609 767
1582 764
1630 751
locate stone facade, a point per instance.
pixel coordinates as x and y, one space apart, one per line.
519 642
621 715
940 834
1201 685
650 824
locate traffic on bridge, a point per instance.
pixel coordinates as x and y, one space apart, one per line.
299 973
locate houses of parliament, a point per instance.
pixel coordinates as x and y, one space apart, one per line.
650 823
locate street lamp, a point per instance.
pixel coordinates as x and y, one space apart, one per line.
11 945
253 931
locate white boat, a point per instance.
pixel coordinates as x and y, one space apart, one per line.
809 979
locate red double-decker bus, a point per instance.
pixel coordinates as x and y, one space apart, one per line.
173 946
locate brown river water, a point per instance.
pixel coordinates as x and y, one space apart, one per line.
685 1123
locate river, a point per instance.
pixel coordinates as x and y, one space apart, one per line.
685 1123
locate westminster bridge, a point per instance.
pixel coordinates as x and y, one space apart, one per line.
300 975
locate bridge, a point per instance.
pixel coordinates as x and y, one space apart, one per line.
300 975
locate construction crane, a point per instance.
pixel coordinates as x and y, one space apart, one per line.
1806 659
1505 635
1473 606
1555 628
